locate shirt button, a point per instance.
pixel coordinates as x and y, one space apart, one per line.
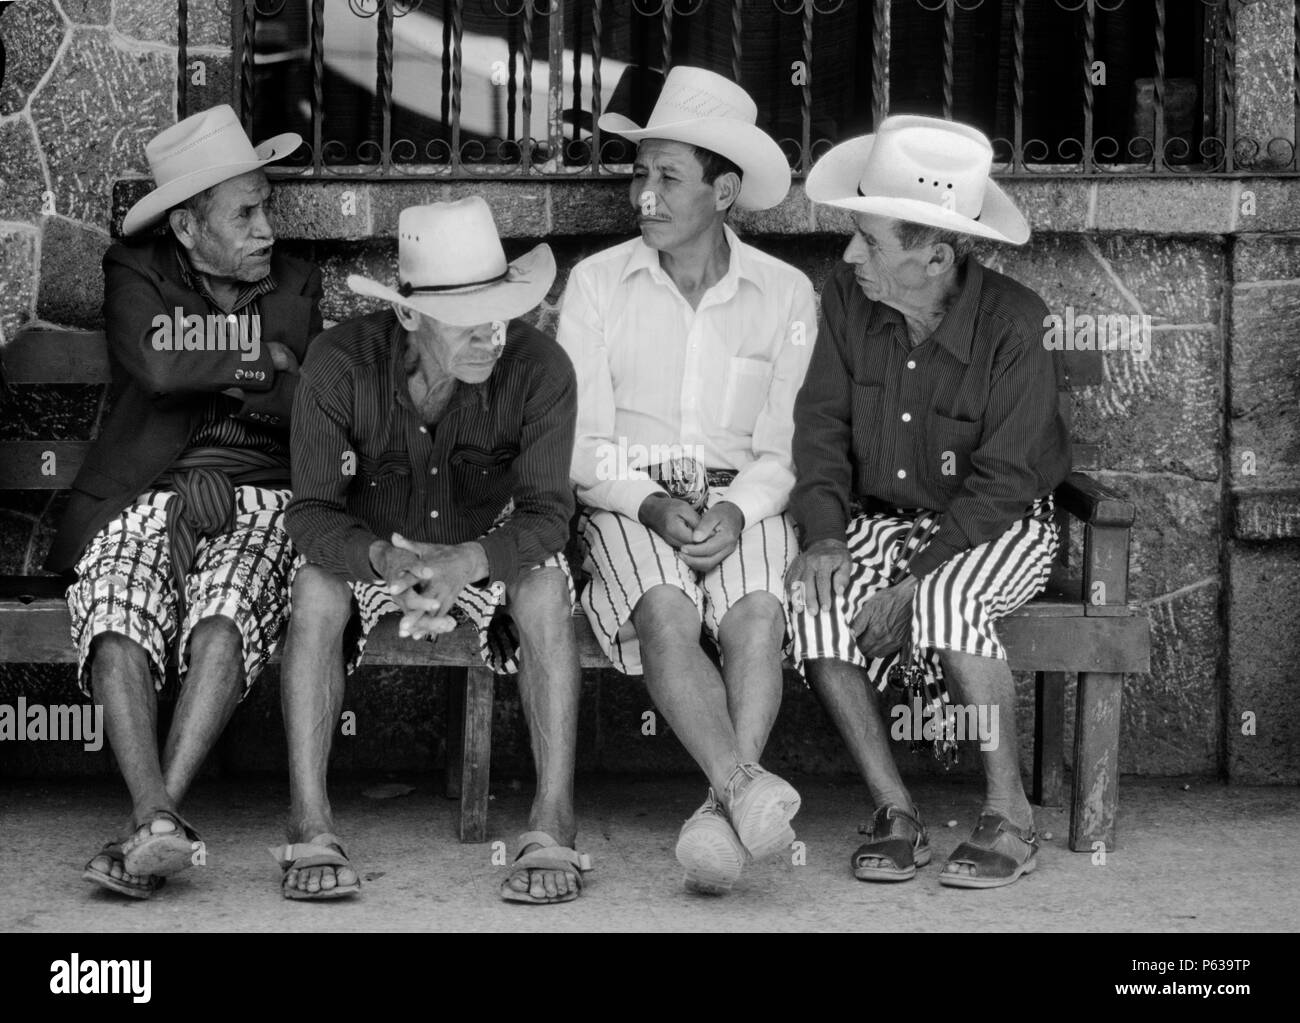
424 429
433 514
911 364
907 417
902 474
433 471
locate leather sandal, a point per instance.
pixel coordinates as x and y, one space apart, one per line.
903 856
992 868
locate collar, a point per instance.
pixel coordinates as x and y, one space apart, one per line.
460 395
956 331
740 263
195 281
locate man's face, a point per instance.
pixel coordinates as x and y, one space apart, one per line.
466 353
233 238
886 272
674 206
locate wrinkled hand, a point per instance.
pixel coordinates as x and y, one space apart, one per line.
818 575
715 536
885 621
282 357
672 519
425 580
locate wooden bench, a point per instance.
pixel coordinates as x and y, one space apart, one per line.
1061 632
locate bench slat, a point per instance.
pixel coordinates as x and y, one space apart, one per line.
22 463
44 355
39 632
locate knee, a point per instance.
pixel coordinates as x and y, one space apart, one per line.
322 601
539 600
114 652
215 629
755 619
665 611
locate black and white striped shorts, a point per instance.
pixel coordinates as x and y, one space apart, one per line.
955 607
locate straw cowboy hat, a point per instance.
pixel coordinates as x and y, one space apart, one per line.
704 109
924 170
450 265
201 151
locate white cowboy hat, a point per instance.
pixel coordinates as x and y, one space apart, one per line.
450 265
201 151
920 169
704 109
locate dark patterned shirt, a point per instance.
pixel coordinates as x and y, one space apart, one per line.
366 464
966 423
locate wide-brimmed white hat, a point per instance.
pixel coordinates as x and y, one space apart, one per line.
201 151
924 170
450 265
704 109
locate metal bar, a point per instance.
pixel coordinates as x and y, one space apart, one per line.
317 83
805 91
246 67
737 10
1230 86
668 36
576 108
949 18
182 58
597 24
444 83
555 90
512 84
1089 52
1158 136
457 36
880 63
1295 136
526 154
384 85
1018 103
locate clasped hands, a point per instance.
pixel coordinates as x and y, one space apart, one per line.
820 575
703 539
425 580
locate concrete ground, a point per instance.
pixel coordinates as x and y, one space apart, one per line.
1192 855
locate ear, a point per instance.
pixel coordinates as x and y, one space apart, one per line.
406 316
942 259
182 224
726 190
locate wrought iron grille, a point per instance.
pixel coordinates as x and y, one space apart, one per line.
514 88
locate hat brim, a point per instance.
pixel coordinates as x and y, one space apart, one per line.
766 178
527 281
149 210
833 181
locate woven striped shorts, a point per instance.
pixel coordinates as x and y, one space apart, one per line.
498 639
624 560
125 584
955 607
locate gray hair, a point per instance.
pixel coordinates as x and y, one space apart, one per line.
914 236
197 204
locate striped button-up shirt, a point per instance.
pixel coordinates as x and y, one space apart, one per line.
966 423
658 379
366 465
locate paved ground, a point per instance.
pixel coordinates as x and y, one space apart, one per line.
1208 857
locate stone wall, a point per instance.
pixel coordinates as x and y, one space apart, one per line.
1202 436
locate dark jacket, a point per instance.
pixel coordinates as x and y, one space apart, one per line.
156 397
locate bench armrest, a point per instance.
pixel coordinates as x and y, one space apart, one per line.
1092 503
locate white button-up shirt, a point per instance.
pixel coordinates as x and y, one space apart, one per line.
658 379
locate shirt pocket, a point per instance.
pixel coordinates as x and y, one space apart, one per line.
390 470
484 478
949 443
748 381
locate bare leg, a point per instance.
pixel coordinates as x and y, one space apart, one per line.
549 686
683 683
311 682
987 682
750 636
213 685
